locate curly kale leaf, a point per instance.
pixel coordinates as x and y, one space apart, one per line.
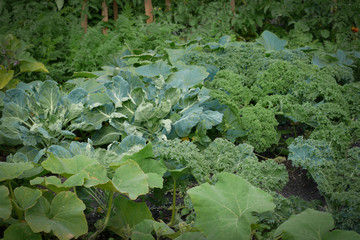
181 154
279 77
340 136
338 179
352 96
342 74
223 156
310 154
246 58
229 88
245 66
260 124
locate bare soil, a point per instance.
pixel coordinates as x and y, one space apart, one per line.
300 184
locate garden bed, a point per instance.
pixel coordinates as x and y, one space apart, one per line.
248 133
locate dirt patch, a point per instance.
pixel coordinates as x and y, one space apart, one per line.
300 184
2 157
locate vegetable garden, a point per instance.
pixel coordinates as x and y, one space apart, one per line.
189 124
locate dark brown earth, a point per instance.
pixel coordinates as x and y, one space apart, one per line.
300 184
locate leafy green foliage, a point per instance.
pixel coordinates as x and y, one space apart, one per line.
259 85
94 50
5 203
79 164
337 178
248 93
139 100
225 209
260 125
13 170
37 115
47 32
312 224
127 214
145 228
63 216
223 156
26 197
20 231
285 208
14 60
271 42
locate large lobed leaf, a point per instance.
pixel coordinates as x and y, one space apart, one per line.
63 216
20 231
159 68
271 42
13 170
188 77
127 213
130 179
5 203
224 211
26 197
312 225
82 170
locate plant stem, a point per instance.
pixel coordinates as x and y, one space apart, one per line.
107 217
97 197
108 213
18 211
173 204
293 125
266 158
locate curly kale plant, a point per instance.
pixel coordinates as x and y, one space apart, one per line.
230 88
260 125
223 156
337 178
263 84
181 154
258 122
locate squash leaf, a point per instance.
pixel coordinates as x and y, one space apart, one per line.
63 216
145 228
224 211
130 179
26 197
5 203
20 231
271 42
83 170
128 214
311 225
13 170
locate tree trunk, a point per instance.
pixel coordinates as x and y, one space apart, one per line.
168 5
106 15
116 11
148 11
84 20
232 4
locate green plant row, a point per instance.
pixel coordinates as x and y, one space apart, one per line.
118 176
195 117
55 38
